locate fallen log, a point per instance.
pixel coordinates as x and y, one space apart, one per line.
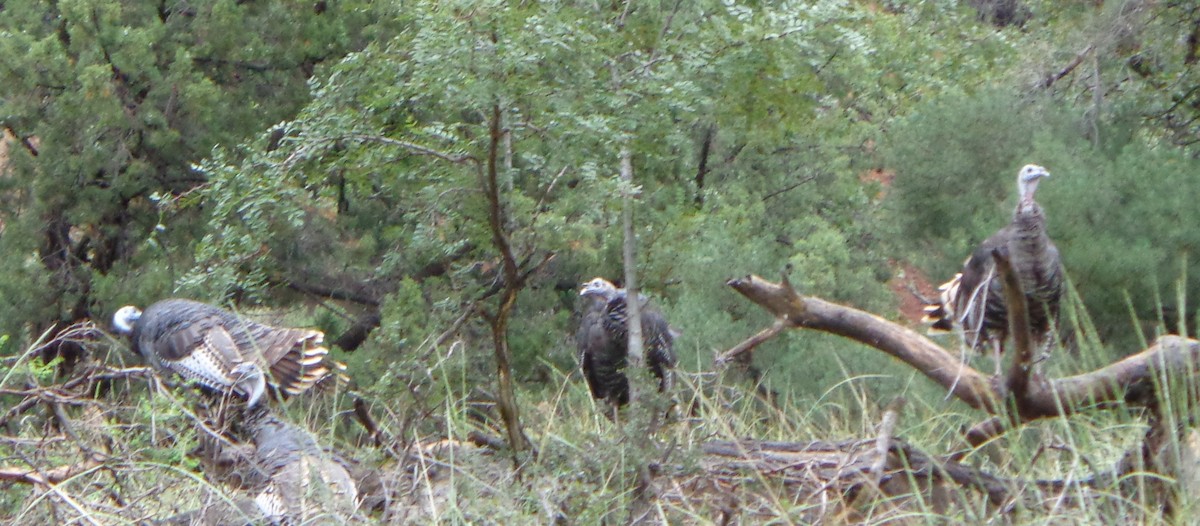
1133 380
1154 378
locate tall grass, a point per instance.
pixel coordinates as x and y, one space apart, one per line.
589 469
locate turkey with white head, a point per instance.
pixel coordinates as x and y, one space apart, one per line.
974 299
602 339
223 351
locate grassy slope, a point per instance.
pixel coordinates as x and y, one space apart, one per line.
587 468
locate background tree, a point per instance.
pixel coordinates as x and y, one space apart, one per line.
1106 135
383 171
108 105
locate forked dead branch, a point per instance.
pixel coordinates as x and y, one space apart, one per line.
1022 394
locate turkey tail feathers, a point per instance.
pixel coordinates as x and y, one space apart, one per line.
305 361
940 314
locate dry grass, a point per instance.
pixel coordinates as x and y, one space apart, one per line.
109 444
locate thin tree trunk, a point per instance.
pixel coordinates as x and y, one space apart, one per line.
506 399
635 360
702 164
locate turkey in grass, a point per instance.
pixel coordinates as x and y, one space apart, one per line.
603 342
291 478
223 351
974 299
303 483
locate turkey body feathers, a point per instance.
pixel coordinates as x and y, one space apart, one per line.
218 348
600 356
974 298
602 340
303 484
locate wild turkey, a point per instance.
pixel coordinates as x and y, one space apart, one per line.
974 298
303 484
603 342
289 478
222 351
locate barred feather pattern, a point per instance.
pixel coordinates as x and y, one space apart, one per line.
207 344
212 365
974 299
603 342
303 484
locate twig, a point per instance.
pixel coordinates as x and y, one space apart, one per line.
1066 70
40 442
46 478
985 431
883 444
537 210
454 328
71 387
1017 379
790 187
750 343
482 439
363 415
415 148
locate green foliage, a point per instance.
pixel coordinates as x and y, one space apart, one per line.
1113 210
379 177
110 103
953 156
334 156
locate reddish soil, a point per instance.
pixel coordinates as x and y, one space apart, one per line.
905 280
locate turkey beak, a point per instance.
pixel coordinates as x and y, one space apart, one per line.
1030 186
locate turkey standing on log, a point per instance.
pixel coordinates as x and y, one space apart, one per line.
222 351
974 298
603 342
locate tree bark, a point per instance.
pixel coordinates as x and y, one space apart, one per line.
1134 380
506 401
702 164
635 358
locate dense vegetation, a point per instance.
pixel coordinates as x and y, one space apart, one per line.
429 182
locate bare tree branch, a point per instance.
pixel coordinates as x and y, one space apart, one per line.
883 443
45 478
939 365
323 288
1134 380
1066 70
790 187
751 342
416 149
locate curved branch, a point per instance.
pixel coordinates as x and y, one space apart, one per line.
1133 380
942 367
751 342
